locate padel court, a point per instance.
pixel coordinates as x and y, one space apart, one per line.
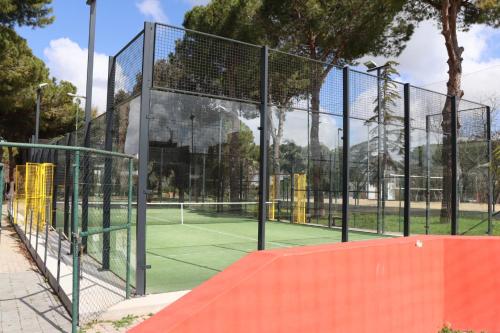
182 255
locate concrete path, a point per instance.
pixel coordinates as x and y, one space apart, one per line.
27 303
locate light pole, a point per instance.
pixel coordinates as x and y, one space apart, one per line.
78 101
221 187
38 102
372 66
90 61
191 157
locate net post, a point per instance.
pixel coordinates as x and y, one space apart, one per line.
75 297
129 225
454 167
182 213
142 189
407 144
490 183
345 155
263 180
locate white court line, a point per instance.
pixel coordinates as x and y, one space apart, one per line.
223 233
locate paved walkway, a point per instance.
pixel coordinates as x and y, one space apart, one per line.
27 303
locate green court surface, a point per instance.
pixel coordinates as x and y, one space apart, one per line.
184 255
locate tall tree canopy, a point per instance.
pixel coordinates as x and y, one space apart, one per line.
20 74
34 13
334 32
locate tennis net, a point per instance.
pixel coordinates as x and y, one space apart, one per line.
202 212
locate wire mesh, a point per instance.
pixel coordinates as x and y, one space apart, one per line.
104 180
103 254
199 63
128 70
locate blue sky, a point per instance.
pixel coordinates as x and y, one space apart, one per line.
117 22
62 46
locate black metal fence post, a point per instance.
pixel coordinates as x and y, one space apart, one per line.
85 184
407 173
67 186
108 164
142 190
46 241
55 188
490 183
59 243
263 177
454 167
345 156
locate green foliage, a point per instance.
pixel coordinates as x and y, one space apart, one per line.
471 12
34 13
58 110
336 30
448 329
124 322
20 72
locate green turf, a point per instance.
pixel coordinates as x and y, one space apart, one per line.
184 255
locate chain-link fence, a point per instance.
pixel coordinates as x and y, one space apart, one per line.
73 208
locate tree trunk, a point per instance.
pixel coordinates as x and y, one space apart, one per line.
449 13
316 153
277 137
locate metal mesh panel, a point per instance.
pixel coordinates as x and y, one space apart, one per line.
474 168
97 133
104 254
300 83
425 103
199 63
128 70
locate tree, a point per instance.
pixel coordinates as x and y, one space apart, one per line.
335 33
453 16
33 13
237 19
21 72
387 135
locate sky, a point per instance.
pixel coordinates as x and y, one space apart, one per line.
63 46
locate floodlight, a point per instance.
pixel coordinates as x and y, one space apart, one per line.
370 64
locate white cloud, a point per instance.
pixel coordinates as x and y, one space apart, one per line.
423 62
197 2
68 61
153 9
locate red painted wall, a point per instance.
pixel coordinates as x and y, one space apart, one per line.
472 288
387 285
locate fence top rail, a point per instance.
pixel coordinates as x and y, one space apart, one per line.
70 148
